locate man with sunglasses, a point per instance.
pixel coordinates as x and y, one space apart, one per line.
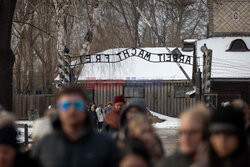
73 141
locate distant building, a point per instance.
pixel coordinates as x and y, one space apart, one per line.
158 79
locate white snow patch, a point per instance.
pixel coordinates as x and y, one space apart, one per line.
190 40
20 131
169 122
25 122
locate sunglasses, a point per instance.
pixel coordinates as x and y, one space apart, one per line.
79 105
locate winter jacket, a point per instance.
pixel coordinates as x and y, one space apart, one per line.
178 159
123 120
99 113
92 149
24 160
93 118
139 103
158 150
111 122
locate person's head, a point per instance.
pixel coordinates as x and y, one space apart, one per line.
242 106
226 131
132 108
139 127
119 103
109 104
99 106
8 143
93 108
71 102
93 104
192 128
135 154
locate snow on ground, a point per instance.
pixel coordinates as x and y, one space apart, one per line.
190 40
169 122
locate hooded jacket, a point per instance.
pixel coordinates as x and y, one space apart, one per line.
91 149
139 103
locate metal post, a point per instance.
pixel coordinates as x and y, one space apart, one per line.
198 92
26 136
194 65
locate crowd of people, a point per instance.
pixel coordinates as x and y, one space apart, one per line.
121 135
97 114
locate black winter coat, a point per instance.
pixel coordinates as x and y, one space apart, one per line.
24 160
92 149
93 118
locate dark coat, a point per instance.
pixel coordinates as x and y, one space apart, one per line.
92 149
178 159
93 118
139 103
24 160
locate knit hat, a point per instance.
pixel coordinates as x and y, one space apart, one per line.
227 119
118 99
138 103
8 135
8 131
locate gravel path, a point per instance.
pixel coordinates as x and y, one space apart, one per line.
169 138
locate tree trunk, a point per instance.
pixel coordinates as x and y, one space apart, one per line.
7 8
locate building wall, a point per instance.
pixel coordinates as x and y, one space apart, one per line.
228 91
228 17
161 99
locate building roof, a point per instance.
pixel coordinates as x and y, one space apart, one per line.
227 64
137 67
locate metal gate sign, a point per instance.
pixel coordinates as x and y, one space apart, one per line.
136 52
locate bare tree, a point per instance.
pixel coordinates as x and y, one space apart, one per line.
7 8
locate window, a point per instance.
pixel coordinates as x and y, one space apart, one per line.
188 47
134 92
238 45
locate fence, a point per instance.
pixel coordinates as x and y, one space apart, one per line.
23 103
168 98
